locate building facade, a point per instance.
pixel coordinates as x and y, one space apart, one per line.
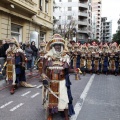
26 19
77 12
106 30
96 18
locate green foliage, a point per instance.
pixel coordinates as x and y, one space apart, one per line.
116 37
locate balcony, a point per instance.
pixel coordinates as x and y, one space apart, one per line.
82 14
26 6
82 30
83 22
83 5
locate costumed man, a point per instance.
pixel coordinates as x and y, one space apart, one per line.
89 59
56 83
15 66
83 52
105 59
97 59
42 52
113 59
76 60
118 51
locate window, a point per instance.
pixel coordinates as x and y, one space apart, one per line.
42 36
69 0
46 6
69 8
69 17
16 31
40 4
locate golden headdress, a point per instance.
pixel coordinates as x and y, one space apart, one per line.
42 44
14 41
56 39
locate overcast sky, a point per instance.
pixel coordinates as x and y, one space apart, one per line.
111 10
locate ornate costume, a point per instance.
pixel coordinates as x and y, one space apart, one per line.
57 94
15 65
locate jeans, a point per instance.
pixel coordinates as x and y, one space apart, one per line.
29 64
33 61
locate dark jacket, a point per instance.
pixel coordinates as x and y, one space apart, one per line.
34 49
3 49
28 52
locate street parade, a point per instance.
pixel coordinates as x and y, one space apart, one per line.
57 59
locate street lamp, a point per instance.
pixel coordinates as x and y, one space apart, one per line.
74 34
89 39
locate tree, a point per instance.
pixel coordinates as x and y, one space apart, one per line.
116 37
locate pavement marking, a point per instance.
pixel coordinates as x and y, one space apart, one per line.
26 93
17 106
6 104
39 86
34 85
35 95
80 103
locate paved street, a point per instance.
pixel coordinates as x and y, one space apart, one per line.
97 97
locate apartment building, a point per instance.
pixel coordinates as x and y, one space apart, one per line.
106 30
96 18
118 24
26 19
78 11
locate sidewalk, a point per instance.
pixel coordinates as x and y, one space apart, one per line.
3 83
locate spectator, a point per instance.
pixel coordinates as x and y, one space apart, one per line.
21 46
3 48
29 52
35 50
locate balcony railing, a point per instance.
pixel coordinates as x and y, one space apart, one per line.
82 30
84 5
82 13
84 22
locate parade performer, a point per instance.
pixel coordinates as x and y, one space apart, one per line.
105 59
118 52
89 65
15 66
39 61
56 84
83 52
97 59
113 59
76 60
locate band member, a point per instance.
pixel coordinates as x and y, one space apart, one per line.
15 65
56 67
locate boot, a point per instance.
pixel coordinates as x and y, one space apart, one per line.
50 117
12 90
66 114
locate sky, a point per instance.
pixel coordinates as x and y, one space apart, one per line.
111 10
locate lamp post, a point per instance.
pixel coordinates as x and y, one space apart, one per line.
74 34
89 39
